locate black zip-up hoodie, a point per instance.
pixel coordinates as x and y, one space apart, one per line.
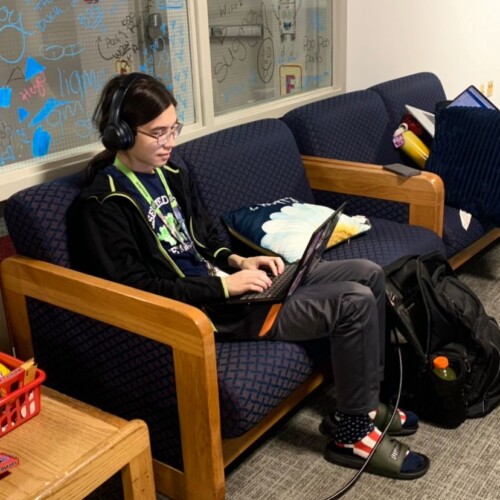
119 244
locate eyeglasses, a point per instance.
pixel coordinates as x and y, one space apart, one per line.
164 137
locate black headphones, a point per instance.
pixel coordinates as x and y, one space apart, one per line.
117 134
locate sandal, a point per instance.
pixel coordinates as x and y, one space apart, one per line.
387 460
328 425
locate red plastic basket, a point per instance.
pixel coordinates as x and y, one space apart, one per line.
21 402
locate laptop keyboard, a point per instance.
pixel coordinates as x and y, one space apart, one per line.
279 283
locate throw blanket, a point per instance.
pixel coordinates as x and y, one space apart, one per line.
466 155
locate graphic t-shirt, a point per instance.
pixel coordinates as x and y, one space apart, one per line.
170 228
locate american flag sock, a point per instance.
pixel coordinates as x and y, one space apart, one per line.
356 433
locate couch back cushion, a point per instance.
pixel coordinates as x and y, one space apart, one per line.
422 90
258 162
37 217
352 126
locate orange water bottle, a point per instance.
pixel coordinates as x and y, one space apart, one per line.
446 403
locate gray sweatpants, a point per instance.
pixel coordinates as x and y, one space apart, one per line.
345 301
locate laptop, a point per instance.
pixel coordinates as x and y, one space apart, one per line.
471 97
285 284
425 118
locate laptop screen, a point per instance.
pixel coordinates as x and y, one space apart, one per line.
472 98
316 247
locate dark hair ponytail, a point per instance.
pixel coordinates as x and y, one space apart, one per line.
146 99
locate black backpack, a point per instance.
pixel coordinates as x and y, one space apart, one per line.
431 313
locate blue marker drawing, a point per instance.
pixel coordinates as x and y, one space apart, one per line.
41 142
179 6
33 67
22 114
50 105
5 97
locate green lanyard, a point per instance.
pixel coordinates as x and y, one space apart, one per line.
130 174
149 199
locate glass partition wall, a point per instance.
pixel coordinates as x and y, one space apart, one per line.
55 57
263 51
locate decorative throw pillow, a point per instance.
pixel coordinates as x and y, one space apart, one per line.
466 155
284 227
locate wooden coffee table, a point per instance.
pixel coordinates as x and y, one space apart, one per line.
71 448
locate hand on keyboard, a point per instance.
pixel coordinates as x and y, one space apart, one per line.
273 265
247 281
256 273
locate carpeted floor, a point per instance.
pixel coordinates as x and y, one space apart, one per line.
465 464
465 461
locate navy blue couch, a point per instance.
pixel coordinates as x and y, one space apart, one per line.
142 356
358 127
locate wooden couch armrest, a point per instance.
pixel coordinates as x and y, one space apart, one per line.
185 328
168 321
423 193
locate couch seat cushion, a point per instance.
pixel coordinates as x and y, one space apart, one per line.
455 236
387 241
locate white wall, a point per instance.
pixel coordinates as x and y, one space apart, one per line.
458 40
